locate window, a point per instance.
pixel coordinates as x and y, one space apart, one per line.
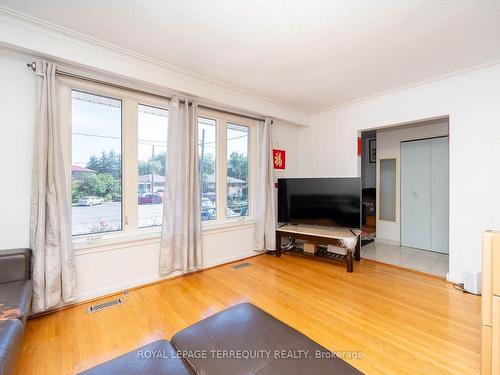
116 148
96 167
151 150
237 170
225 147
207 141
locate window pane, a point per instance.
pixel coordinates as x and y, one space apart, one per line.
152 150
237 170
207 135
96 170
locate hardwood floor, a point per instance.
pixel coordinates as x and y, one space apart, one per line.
402 321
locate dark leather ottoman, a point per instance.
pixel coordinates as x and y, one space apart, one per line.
240 340
156 358
246 340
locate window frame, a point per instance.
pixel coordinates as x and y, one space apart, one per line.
70 156
130 108
150 227
217 182
228 124
131 99
222 120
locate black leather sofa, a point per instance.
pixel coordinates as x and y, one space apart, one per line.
15 300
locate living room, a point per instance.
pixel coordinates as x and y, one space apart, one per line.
152 155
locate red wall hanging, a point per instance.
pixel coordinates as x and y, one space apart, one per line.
279 159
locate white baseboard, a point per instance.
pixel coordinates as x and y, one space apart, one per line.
387 241
456 279
233 258
82 297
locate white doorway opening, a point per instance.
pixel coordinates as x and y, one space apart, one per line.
412 196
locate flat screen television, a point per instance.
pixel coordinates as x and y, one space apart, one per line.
320 201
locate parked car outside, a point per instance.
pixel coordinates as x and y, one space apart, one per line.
207 203
149 199
90 201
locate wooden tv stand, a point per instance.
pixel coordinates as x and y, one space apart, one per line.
345 237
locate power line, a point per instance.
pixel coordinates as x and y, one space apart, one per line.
150 142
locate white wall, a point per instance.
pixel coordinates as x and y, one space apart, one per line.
102 269
286 137
389 147
17 116
472 101
108 269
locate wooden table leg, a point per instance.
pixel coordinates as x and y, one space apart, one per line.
357 252
278 244
349 261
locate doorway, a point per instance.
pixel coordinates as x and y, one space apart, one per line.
411 195
368 187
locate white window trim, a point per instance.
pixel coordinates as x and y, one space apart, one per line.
222 120
130 232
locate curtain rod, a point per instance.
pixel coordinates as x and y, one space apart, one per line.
32 66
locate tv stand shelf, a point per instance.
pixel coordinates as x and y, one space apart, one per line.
345 237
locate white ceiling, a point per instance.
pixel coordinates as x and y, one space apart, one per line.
307 54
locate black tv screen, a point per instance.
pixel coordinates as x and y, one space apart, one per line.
320 201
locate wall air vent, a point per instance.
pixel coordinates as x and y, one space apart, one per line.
241 265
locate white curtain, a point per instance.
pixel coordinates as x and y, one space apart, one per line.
266 212
54 273
180 247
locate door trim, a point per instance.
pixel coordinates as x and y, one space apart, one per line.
425 139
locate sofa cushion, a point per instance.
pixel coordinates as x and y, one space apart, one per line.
16 295
156 358
15 265
246 340
11 333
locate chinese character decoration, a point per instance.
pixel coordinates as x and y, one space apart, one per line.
279 159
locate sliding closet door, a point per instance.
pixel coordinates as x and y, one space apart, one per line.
424 194
416 194
440 194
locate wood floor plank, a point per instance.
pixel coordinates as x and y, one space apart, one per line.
402 322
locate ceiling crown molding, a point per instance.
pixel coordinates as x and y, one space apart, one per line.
409 86
45 29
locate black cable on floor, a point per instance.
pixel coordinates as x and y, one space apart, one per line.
460 287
